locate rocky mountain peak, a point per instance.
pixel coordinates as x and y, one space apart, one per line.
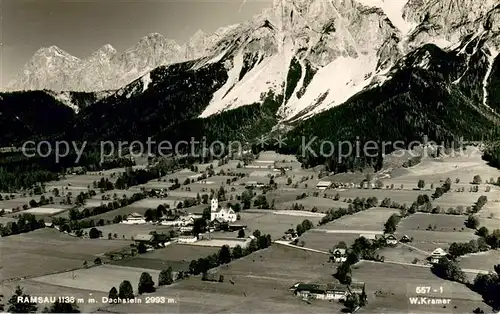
53 52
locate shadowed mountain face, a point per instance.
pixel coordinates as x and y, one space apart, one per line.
336 69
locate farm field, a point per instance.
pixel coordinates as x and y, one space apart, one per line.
283 195
47 250
433 170
404 254
483 260
273 156
137 207
218 243
454 199
400 196
372 219
99 278
82 181
184 194
19 201
346 177
181 175
395 283
430 240
491 209
326 241
43 210
260 283
321 203
177 256
445 223
269 223
129 231
490 223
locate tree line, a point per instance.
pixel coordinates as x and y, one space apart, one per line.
25 223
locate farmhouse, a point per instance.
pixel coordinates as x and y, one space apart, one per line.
134 219
290 235
405 239
221 214
254 184
186 229
236 227
320 292
357 287
144 238
338 255
323 185
369 236
187 239
437 254
262 164
390 239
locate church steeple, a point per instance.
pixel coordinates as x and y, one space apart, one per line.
214 204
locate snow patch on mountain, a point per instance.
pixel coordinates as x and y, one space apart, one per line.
333 85
146 80
264 77
65 98
491 59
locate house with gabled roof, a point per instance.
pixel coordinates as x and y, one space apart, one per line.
339 255
134 219
323 185
320 291
390 239
357 287
405 239
437 255
144 238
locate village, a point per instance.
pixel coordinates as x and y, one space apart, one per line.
262 228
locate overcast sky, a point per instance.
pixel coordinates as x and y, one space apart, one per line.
82 26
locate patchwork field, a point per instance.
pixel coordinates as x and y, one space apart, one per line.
100 278
372 219
491 209
218 243
321 203
43 210
53 251
129 231
490 223
326 241
433 170
137 207
389 286
81 181
446 223
454 199
404 254
259 282
428 241
19 201
272 224
484 260
177 256
284 195
400 196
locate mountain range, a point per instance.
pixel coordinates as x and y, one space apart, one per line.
339 68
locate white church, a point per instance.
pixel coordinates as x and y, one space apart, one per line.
221 214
